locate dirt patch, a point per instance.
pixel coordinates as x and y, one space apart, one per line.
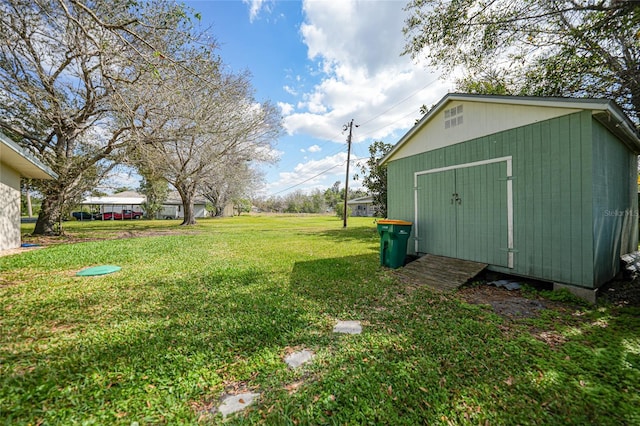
621 293
47 241
18 250
112 235
511 303
508 303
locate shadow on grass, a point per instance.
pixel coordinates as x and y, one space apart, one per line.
432 359
350 234
145 352
339 285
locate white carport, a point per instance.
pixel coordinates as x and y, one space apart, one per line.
127 200
130 200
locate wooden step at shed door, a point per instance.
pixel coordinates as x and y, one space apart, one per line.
444 274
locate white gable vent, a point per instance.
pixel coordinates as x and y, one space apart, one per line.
453 117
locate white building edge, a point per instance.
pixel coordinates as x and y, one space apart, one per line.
14 164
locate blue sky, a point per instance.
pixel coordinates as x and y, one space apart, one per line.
324 62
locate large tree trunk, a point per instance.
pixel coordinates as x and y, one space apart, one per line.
189 217
50 213
56 193
187 195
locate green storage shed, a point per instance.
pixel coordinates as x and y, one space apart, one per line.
537 187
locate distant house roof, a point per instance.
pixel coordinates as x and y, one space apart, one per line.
605 111
121 198
22 161
127 198
361 200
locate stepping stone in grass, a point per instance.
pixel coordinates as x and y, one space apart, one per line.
348 327
296 359
234 403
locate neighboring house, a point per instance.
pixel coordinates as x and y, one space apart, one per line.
538 187
172 208
362 206
14 163
130 200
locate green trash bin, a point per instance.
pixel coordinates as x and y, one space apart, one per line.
394 235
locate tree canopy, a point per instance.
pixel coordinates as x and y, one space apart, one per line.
189 129
375 175
63 66
89 85
580 48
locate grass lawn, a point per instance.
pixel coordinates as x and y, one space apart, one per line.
210 310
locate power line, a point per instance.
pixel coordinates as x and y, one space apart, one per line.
398 103
330 154
307 180
371 132
365 134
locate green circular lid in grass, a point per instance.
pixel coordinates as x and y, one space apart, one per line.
98 270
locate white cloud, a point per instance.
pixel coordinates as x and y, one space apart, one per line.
255 6
315 148
290 90
356 46
286 108
314 174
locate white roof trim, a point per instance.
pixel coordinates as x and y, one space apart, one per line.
22 161
622 122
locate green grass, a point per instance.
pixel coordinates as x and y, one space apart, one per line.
196 313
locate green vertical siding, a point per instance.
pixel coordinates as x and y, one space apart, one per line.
615 208
481 215
438 222
552 194
400 188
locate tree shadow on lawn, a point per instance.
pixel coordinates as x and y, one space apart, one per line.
341 285
148 359
432 358
343 235
171 342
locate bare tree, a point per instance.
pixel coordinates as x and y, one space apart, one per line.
233 180
61 68
191 129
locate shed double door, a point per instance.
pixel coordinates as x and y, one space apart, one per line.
462 213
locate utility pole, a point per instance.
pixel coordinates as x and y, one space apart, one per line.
346 181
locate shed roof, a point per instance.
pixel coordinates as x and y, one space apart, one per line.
22 161
605 111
